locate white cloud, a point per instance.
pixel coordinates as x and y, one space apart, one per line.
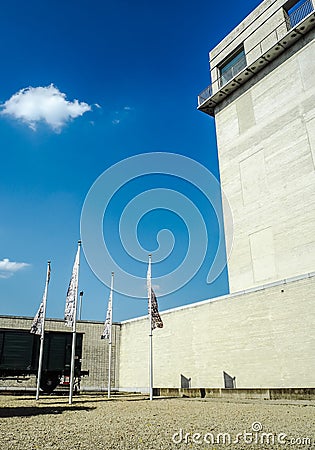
43 104
121 114
8 268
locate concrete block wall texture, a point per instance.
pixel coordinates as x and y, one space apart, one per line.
264 338
266 137
94 351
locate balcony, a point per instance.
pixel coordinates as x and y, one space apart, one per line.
231 69
228 72
298 12
298 21
204 95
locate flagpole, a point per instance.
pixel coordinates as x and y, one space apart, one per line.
150 331
41 348
110 336
74 330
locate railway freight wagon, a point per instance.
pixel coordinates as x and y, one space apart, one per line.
19 354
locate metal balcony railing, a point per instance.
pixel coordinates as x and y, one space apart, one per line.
232 71
204 95
298 14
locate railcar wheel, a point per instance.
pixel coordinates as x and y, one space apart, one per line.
49 382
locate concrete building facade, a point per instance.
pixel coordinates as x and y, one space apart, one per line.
261 335
263 99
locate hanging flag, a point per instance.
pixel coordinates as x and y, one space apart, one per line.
37 325
72 292
156 319
107 324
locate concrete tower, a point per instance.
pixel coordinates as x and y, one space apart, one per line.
262 96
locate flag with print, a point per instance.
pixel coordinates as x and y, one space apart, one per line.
107 325
37 325
156 319
72 292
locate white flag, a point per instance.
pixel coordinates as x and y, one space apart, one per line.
106 332
37 325
72 292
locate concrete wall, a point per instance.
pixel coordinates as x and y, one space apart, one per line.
263 338
94 351
266 144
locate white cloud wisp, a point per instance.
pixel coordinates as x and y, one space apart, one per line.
9 268
43 104
121 114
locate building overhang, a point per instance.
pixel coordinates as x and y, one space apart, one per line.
207 100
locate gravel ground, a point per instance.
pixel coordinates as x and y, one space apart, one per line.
135 423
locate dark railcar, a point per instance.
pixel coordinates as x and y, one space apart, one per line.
19 354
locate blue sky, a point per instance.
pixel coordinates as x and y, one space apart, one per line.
135 70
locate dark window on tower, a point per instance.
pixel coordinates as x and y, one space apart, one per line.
232 66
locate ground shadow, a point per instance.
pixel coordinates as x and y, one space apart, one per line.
28 411
62 400
51 401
